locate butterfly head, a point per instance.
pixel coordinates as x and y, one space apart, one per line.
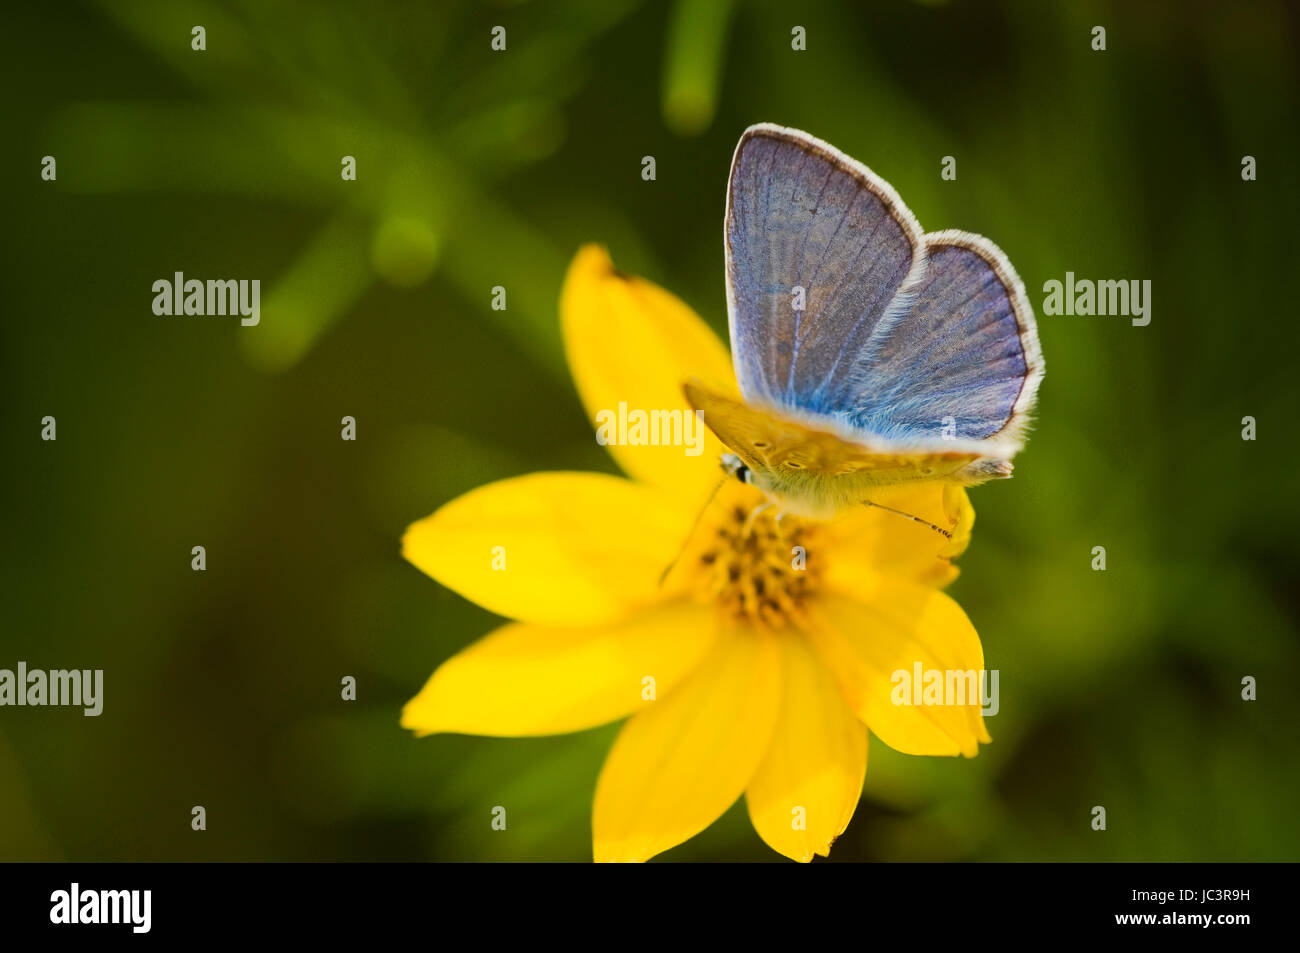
736 468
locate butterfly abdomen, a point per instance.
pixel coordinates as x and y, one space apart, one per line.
813 495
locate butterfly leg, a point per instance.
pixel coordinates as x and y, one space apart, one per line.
753 515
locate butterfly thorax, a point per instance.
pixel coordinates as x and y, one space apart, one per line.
808 496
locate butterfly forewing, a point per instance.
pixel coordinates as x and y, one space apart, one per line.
818 249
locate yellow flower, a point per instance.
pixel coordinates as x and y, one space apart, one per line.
753 667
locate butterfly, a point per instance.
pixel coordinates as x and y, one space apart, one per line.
868 353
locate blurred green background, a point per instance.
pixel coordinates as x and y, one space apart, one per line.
1119 688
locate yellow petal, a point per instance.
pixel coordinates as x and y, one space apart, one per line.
677 766
867 642
864 542
631 343
960 516
576 548
808 785
526 679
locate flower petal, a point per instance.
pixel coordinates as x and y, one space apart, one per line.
808 785
862 543
676 767
864 643
528 679
629 342
577 548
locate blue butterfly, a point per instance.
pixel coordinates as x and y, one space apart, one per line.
868 353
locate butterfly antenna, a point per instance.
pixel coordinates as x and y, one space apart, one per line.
889 509
691 535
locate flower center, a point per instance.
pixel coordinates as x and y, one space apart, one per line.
756 566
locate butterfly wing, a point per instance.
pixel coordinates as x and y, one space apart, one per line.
808 226
904 338
963 361
793 451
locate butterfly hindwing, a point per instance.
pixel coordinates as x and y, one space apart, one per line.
963 361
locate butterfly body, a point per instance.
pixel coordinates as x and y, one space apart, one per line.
814 472
868 353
